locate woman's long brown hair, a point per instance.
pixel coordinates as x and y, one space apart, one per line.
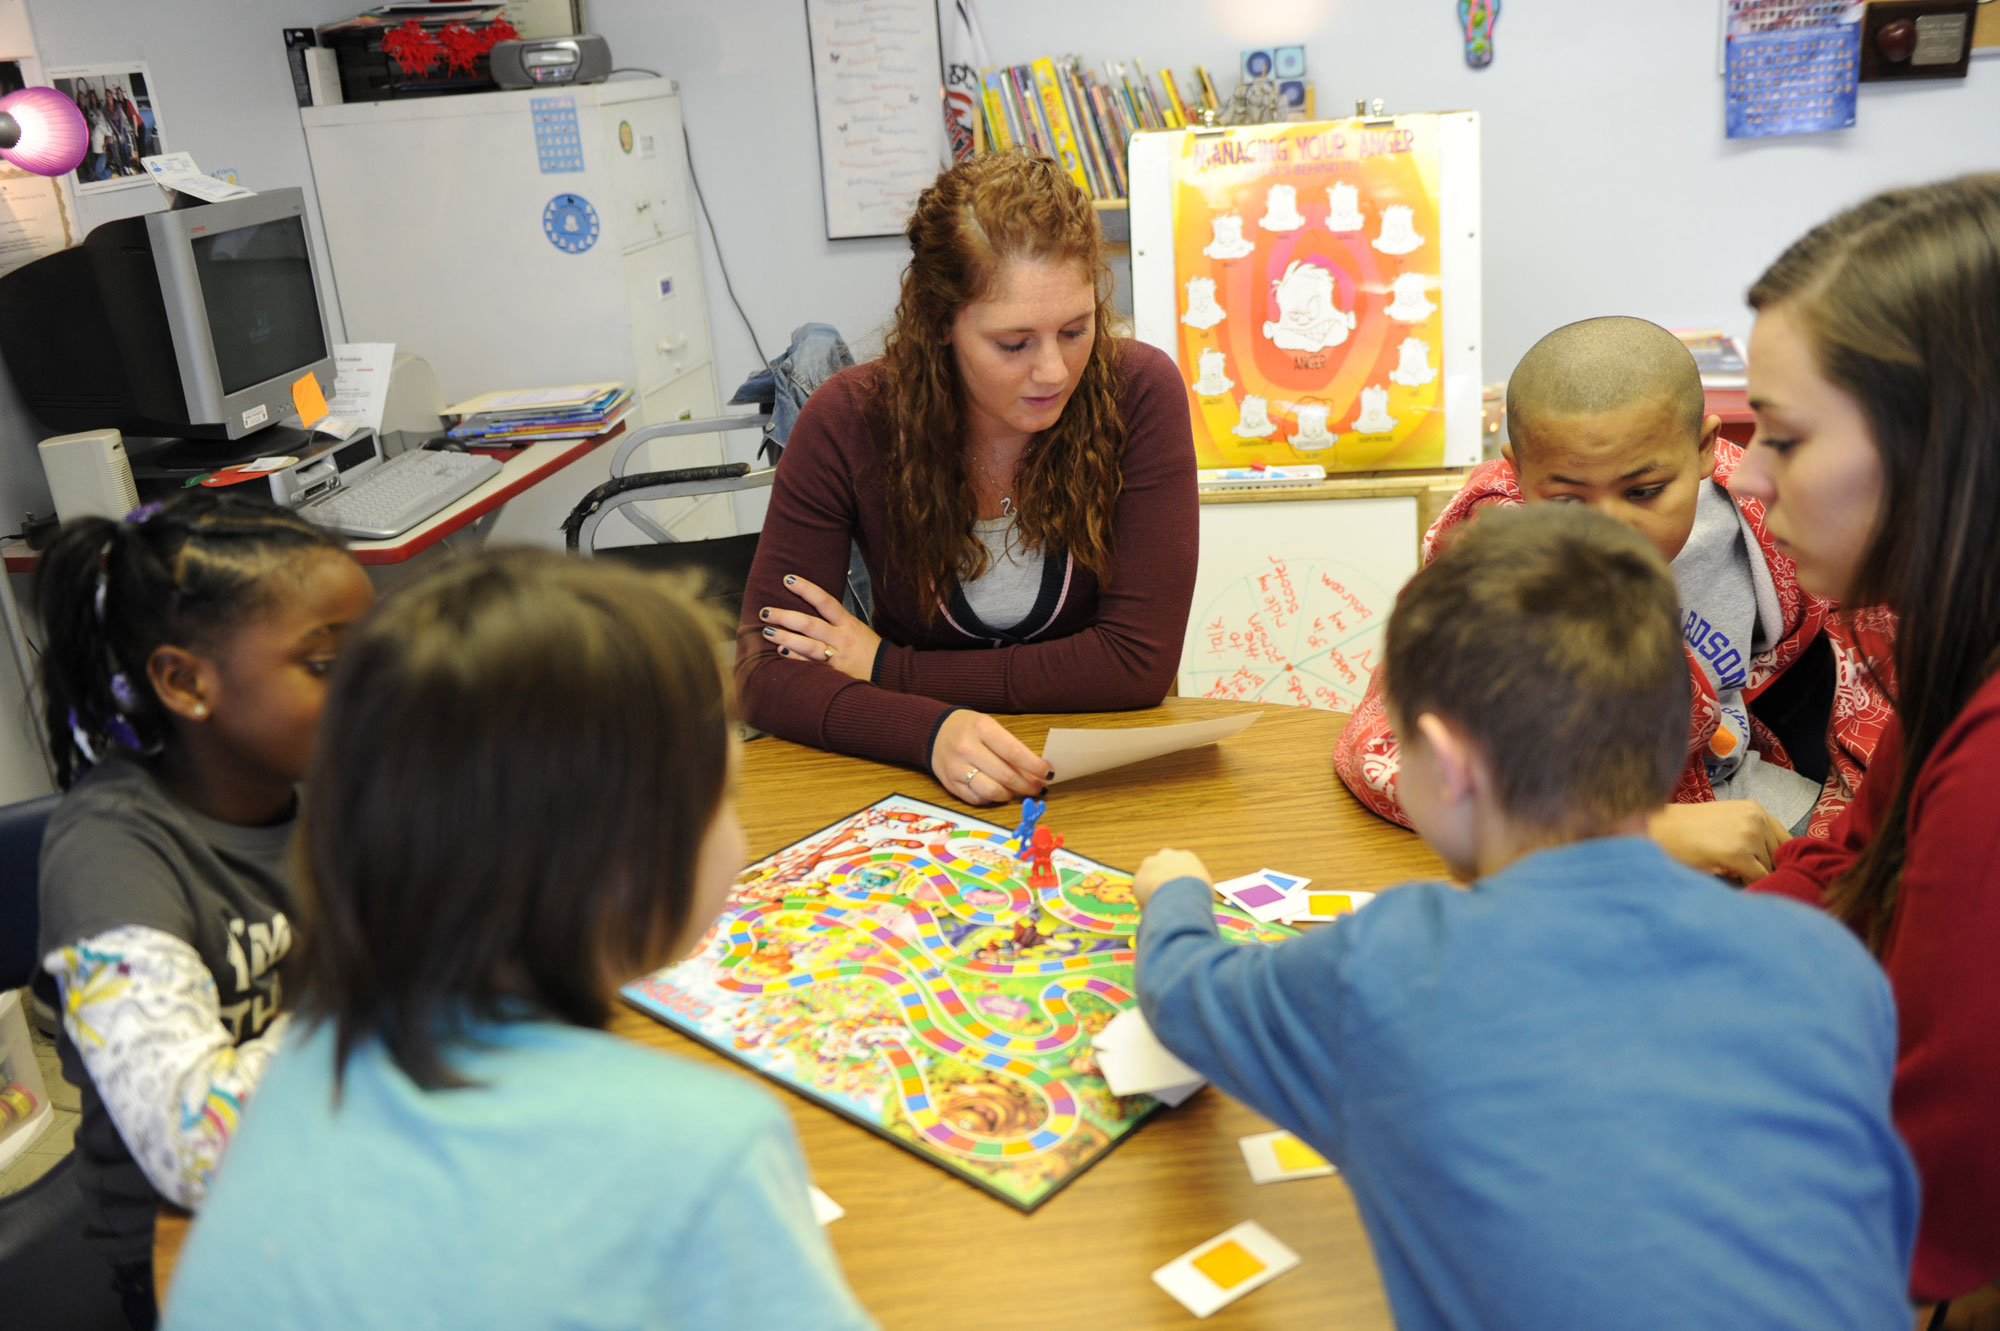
974 218
1899 298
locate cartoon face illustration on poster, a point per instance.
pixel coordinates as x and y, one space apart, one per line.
1309 317
1411 305
1399 233
1374 417
1343 208
1202 311
1254 420
1312 436
1229 242
1413 368
1214 380
1281 210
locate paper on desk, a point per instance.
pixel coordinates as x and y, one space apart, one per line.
1073 753
1134 1062
177 172
361 382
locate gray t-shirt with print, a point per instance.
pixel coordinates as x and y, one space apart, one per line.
1729 612
120 850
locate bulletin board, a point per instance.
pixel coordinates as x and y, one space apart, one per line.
1318 285
1293 592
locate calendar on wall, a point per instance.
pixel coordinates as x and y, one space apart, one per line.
1792 80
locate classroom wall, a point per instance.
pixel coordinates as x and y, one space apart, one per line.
1608 184
224 93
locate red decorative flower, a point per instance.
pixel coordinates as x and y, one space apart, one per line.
412 49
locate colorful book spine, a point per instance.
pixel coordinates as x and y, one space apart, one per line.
1180 110
1209 99
999 131
1088 147
1032 119
1162 117
1063 137
1107 130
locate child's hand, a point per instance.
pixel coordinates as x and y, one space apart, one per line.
1164 867
1733 839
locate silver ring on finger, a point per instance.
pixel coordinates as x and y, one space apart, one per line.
970 776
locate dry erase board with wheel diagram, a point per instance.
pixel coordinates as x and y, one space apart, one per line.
1318 285
899 969
1291 598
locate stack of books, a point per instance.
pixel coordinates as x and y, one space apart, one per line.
515 418
1057 108
1717 356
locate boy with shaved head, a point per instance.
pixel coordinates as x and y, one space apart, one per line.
1609 412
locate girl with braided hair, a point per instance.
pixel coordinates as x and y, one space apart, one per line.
186 650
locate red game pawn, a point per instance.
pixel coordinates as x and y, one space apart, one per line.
1040 872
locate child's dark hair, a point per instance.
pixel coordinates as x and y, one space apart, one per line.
519 759
1551 635
179 574
1599 365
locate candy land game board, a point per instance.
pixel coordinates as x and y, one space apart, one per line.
897 968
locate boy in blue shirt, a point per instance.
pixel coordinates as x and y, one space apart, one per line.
1597 1088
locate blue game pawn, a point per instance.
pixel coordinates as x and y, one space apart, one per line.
1031 812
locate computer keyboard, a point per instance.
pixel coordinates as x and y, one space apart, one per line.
400 493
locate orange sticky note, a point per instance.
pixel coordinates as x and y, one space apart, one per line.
1228 1264
308 398
1295 1154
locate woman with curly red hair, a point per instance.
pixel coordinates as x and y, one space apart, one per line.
1022 488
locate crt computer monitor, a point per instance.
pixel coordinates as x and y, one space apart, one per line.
191 323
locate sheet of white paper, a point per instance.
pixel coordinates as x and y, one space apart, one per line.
33 218
361 381
1134 1062
825 1209
177 172
1074 753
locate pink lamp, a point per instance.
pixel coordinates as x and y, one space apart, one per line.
42 131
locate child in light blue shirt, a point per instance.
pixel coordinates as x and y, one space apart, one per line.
523 795
1597 1088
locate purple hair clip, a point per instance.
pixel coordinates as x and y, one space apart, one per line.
143 514
80 739
123 693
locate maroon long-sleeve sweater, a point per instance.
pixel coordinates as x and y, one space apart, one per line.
1942 953
1085 647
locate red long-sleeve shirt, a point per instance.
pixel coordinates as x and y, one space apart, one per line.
1942 953
1085 647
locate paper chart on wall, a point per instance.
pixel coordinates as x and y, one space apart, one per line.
1324 288
877 88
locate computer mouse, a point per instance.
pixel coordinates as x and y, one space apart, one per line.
444 444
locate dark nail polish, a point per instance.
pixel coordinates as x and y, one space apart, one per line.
763 614
784 651
790 579
1052 774
770 632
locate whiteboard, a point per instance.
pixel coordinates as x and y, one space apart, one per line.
1319 286
1291 597
878 90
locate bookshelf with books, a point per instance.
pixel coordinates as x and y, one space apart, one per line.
1085 118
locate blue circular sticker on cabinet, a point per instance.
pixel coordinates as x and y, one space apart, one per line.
570 223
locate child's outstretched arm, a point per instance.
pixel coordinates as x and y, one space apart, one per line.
1263 1023
143 1013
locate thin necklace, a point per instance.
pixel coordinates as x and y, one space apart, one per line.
1006 500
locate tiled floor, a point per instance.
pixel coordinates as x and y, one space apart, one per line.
54 1143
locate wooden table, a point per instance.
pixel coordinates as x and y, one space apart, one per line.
925 1250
